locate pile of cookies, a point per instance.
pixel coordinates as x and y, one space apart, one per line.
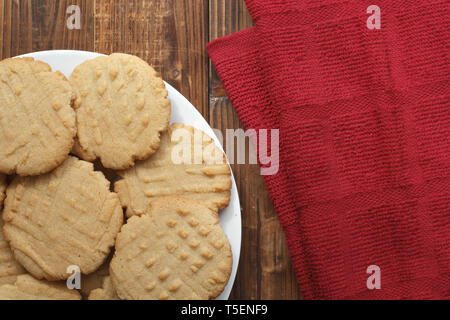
149 231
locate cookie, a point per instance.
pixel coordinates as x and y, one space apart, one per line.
121 108
9 267
37 122
106 292
2 189
177 250
65 218
188 164
28 288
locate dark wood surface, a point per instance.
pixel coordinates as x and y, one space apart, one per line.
171 35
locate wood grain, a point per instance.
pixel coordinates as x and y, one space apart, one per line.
265 271
158 32
36 25
171 35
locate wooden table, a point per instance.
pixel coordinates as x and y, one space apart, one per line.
171 35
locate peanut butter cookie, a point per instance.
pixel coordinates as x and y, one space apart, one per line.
65 218
176 250
188 164
121 107
9 267
37 122
28 288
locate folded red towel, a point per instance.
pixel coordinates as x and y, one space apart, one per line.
364 119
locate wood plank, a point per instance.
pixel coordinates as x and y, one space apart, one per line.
36 25
169 34
16 27
5 29
265 270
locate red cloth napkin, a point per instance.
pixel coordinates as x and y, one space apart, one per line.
364 119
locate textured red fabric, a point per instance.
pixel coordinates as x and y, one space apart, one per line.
364 119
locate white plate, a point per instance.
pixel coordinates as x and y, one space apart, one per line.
183 112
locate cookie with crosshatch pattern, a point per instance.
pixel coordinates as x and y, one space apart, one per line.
65 218
36 117
28 288
176 250
188 164
9 267
2 189
122 108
